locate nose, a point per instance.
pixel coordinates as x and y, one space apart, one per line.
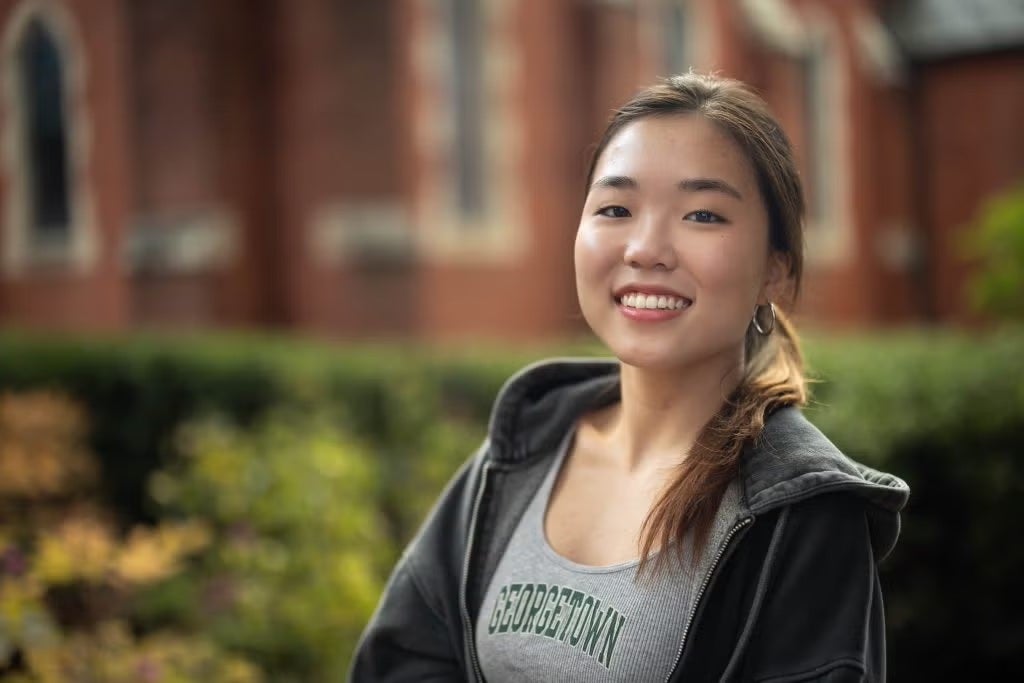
649 244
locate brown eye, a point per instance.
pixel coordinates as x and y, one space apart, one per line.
614 212
704 216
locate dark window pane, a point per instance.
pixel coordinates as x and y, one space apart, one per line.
46 137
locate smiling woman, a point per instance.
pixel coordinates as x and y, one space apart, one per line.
675 210
670 514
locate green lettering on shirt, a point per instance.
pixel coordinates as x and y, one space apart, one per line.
559 613
522 606
611 637
540 594
574 603
499 605
598 620
510 607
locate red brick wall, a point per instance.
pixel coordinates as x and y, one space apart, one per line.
340 137
203 142
174 145
899 298
578 61
973 146
270 111
274 110
867 284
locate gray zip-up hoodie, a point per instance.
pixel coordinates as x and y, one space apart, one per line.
793 594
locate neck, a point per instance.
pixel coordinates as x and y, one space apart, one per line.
661 412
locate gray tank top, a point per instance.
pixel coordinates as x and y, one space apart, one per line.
547 618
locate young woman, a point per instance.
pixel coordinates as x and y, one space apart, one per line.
670 515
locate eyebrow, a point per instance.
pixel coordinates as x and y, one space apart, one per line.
622 182
618 182
709 184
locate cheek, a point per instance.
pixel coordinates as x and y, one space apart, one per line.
595 263
732 269
581 265
577 251
592 256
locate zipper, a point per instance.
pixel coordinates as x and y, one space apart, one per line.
466 624
700 592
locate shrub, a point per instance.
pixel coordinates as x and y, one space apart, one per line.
997 241
943 410
111 654
68 577
299 547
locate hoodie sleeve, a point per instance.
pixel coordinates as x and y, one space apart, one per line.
406 640
821 617
415 632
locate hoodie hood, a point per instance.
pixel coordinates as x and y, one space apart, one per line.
791 460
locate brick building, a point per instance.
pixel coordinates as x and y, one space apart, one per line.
414 168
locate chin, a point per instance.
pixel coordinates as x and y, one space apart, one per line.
675 354
648 358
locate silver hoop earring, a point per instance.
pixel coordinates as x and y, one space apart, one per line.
757 323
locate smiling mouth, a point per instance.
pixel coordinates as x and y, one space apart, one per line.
653 302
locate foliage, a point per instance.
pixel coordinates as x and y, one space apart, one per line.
111 654
140 390
68 577
943 410
997 240
875 395
296 566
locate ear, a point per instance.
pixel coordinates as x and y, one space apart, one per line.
776 280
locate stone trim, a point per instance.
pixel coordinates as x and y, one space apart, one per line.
829 236
777 25
878 53
359 232
19 254
182 242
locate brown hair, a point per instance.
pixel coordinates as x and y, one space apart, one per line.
773 375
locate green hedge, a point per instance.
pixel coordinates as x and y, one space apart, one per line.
943 410
946 413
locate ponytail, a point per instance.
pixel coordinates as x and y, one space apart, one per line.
773 377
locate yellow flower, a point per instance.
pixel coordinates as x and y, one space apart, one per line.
81 549
187 537
54 564
145 558
151 555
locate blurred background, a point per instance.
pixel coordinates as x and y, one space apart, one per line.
264 264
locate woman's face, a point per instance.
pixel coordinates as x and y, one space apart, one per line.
672 248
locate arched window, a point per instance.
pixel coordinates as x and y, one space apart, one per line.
45 130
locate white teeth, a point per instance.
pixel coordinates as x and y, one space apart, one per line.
654 301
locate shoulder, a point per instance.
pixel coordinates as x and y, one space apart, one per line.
793 463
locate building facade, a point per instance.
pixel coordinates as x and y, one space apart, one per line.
414 168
